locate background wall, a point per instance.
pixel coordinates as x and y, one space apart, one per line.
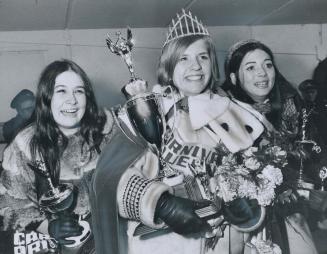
297 48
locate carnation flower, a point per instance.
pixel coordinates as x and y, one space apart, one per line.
266 195
252 163
228 159
247 189
273 174
250 151
241 170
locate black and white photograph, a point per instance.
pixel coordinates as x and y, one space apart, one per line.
163 127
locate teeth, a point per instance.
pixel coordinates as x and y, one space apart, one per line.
194 77
262 84
69 110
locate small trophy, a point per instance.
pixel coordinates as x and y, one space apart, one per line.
322 176
58 200
315 147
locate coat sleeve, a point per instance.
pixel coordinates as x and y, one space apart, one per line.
120 162
139 191
18 201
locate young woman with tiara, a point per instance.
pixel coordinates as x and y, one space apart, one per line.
130 187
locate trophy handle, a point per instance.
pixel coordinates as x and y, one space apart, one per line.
168 135
117 114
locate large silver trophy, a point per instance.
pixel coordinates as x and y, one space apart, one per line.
58 200
142 115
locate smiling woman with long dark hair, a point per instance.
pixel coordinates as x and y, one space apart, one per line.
67 136
253 77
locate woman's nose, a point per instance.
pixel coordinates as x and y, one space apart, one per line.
72 99
261 71
196 65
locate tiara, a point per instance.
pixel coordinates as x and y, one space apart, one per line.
185 25
236 46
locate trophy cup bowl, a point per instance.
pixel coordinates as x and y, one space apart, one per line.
58 199
144 113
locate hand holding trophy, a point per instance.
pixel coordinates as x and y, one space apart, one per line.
58 200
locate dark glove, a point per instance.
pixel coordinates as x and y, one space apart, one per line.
63 227
179 214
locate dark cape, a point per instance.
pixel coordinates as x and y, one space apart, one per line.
110 230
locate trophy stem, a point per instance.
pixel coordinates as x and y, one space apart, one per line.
53 189
322 187
300 178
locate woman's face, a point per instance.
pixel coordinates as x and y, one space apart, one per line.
68 102
257 74
193 69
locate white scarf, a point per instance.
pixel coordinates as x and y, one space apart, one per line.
215 110
218 111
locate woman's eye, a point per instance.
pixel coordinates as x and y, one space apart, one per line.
183 58
80 91
60 91
250 68
204 57
269 65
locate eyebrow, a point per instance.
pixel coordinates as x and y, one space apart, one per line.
59 85
253 62
201 53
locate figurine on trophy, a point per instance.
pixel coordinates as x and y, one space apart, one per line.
58 201
123 47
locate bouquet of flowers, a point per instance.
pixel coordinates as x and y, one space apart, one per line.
253 173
